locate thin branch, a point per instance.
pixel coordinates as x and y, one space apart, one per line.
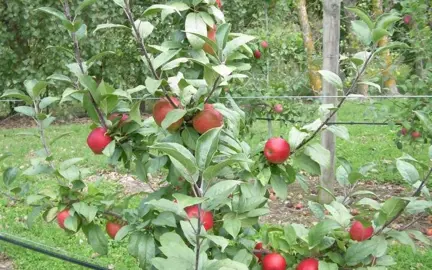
412 222
261 251
353 85
415 194
113 214
215 84
143 49
197 239
80 62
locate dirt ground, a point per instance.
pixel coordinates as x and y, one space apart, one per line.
5 262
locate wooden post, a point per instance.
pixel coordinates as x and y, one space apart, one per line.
331 26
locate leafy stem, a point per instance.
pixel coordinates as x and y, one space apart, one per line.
143 49
215 84
334 111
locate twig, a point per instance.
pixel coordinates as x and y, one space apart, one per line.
113 214
215 84
197 239
412 222
261 251
415 194
353 85
80 63
143 49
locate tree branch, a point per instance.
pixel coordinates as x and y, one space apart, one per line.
352 87
215 84
80 62
143 49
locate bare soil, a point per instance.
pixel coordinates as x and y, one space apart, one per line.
5 262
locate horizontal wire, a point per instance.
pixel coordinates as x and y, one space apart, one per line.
21 243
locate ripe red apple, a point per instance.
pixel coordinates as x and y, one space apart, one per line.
61 217
360 233
206 216
298 206
276 150
278 108
257 54
219 3
211 34
407 19
98 139
274 261
415 135
207 119
429 232
308 264
264 44
124 118
404 131
162 108
259 255
112 229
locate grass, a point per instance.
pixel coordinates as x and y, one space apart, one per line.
366 144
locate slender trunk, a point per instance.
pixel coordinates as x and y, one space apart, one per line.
331 26
389 81
314 77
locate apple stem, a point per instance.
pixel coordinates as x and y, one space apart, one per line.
415 194
215 84
352 87
143 49
80 64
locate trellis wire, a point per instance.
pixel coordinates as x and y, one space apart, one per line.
26 244
359 97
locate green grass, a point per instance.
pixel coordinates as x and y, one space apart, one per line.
366 144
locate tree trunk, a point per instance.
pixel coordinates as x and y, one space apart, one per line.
314 77
331 26
389 81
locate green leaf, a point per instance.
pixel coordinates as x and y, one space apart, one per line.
377 86
258 212
235 44
359 251
206 147
317 233
327 266
225 264
142 247
372 203
108 26
420 236
172 117
54 12
26 110
362 31
331 78
386 20
190 137
164 57
17 94
296 137
264 176
339 131
48 121
174 63
163 205
97 57
123 232
190 228
279 185
232 226
72 223
59 137
120 3
87 211
342 176
152 85
390 46
385 260
144 28
90 84
243 256
33 215
45 102
185 201
195 24
304 162
9 175
408 172
378 34
218 240
167 8
84 4
363 16
425 119
403 238
212 171
222 34
354 177
319 154
218 193
223 70
392 206
339 213
97 239
165 219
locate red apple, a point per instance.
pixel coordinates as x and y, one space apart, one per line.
360 233
112 229
206 216
211 34
429 232
264 44
404 131
274 261
207 119
308 264
124 118
298 206
276 150
259 255
407 19
257 54
162 108
415 135
219 3
61 217
98 139
278 108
